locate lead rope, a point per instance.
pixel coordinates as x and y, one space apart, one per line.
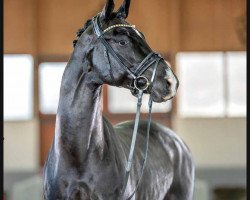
129 164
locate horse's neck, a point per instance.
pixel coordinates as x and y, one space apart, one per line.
79 125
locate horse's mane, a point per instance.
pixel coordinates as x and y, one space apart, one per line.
81 30
86 25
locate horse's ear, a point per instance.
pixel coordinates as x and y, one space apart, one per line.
124 9
107 10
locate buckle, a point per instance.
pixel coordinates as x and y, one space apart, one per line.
141 83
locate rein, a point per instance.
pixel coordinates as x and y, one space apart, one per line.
135 86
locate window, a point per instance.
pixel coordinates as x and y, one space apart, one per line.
18 87
120 100
212 84
236 62
50 76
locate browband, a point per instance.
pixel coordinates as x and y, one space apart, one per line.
99 31
118 25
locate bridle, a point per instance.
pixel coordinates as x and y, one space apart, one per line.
135 86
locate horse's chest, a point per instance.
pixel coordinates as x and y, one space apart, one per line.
87 186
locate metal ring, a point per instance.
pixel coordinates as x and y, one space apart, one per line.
136 86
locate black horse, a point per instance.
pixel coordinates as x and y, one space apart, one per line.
88 156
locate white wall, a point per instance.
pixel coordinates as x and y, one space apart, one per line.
214 142
219 142
21 146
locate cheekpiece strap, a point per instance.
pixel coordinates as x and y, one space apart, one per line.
97 26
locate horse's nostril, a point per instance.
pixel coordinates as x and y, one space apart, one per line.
169 81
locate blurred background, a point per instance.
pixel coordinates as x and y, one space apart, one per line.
205 42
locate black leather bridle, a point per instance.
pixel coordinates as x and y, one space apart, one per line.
135 86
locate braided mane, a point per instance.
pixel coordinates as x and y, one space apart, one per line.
81 30
86 25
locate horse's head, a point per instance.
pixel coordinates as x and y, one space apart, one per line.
119 55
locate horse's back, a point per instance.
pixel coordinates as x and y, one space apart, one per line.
164 135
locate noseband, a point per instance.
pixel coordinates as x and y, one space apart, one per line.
136 87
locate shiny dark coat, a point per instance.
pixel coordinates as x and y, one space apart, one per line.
88 156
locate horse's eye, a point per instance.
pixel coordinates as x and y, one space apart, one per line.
123 42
